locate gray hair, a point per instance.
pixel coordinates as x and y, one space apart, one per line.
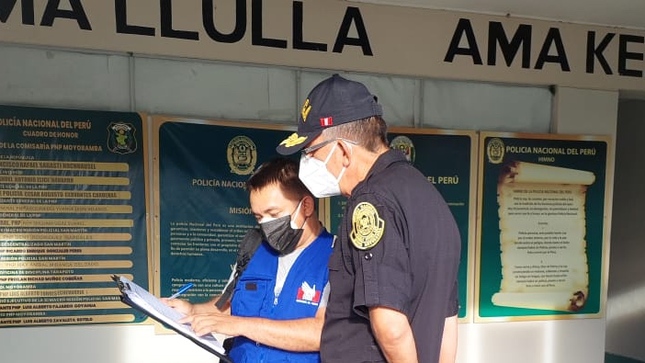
370 133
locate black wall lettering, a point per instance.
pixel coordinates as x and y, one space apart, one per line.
353 15
553 38
166 24
77 13
122 26
594 52
463 28
256 29
522 37
27 7
208 14
298 42
624 55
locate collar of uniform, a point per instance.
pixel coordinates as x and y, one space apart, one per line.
384 160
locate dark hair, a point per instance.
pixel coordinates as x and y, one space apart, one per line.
370 133
281 171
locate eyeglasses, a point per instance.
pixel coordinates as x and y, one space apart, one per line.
311 149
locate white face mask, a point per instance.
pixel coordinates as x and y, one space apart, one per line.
315 176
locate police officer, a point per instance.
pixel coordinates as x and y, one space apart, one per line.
393 272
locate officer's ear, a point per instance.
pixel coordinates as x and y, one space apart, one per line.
347 152
308 205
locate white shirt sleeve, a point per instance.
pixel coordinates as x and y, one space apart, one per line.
325 296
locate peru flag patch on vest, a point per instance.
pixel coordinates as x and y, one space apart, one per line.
308 294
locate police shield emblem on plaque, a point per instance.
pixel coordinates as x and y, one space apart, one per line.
495 150
121 138
405 145
242 155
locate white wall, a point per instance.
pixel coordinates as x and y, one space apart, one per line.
49 78
626 295
55 78
118 82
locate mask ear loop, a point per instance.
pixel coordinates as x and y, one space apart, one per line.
330 153
349 144
351 150
304 222
296 212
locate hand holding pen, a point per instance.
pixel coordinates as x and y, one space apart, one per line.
181 290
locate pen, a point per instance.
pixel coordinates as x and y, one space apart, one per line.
181 290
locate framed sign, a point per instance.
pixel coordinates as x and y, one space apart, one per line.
541 245
72 213
203 207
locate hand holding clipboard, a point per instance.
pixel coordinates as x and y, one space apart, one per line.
142 300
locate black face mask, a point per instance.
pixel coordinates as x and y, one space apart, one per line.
280 236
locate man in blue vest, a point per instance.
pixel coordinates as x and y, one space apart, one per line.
278 305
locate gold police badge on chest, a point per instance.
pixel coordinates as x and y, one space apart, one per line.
367 226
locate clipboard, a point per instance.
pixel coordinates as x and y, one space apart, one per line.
140 299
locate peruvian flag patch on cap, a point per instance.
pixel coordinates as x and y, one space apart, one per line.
326 121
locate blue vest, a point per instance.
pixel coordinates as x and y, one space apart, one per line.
299 298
